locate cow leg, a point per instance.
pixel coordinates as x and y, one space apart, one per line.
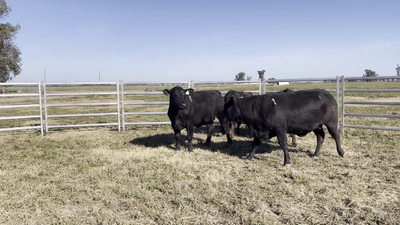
189 130
332 128
225 128
238 128
250 130
231 127
177 139
256 144
294 141
282 138
210 129
319 132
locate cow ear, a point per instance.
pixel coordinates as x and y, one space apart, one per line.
188 91
166 92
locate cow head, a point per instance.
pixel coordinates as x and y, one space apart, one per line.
236 94
179 97
231 110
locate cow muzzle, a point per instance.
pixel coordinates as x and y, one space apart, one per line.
183 106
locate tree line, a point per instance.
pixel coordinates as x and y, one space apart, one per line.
367 73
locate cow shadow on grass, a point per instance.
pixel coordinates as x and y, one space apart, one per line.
239 148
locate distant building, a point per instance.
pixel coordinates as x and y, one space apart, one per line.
282 83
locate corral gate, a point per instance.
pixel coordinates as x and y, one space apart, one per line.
86 104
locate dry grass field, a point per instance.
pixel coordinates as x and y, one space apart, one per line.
102 176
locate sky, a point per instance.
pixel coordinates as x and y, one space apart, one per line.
204 40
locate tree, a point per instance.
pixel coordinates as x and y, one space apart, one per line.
370 73
248 78
10 60
398 70
261 74
272 78
240 76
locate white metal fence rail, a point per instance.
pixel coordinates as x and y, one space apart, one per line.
200 84
91 104
15 106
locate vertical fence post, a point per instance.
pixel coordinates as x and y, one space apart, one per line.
343 99
123 105
192 84
40 107
338 95
118 110
188 84
259 86
45 106
264 87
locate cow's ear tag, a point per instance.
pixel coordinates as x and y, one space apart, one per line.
187 92
273 100
241 96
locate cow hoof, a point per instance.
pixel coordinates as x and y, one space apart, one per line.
315 157
342 154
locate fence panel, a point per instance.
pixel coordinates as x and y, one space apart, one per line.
148 91
85 92
368 103
4 96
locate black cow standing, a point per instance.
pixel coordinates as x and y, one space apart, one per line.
188 108
277 114
242 94
237 94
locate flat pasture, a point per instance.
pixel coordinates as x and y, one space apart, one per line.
102 176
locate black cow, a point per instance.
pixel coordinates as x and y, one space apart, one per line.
188 108
280 113
237 94
242 94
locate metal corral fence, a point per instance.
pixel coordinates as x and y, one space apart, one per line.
48 116
39 116
126 102
120 90
380 103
